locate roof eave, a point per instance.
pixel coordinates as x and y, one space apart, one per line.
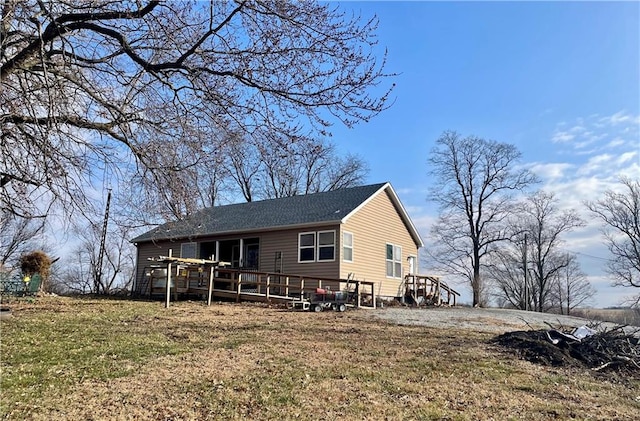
238 232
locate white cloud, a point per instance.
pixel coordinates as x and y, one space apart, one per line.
423 223
600 133
550 171
632 171
618 141
599 164
626 157
562 137
618 118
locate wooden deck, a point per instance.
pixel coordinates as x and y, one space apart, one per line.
174 277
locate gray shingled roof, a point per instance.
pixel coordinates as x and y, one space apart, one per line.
316 208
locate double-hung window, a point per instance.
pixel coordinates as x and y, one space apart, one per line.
316 246
326 245
394 261
307 247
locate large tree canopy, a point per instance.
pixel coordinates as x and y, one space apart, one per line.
157 87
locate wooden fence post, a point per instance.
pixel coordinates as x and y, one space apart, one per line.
210 286
268 286
168 287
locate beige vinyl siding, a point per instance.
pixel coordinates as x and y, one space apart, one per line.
375 225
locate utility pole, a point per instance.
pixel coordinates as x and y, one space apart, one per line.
103 238
526 274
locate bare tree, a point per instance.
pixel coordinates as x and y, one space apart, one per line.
325 170
81 276
243 164
506 274
539 219
307 166
474 184
106 84
545 224
573 289
620 212
19 235
271 167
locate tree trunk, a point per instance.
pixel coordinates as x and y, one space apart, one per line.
476 285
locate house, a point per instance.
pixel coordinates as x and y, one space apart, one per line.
363 232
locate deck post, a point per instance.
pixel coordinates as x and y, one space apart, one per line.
238 287
358 294
286 289
373 294
301 288
168 287
210 286
268 286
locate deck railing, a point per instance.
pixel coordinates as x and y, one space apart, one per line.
251 285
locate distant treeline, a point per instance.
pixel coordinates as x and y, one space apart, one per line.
620 315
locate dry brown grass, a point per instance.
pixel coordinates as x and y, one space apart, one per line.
101 359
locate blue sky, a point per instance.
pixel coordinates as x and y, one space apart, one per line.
560 80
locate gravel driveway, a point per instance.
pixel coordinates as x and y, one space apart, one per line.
477 319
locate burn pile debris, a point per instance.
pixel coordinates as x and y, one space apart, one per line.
615 350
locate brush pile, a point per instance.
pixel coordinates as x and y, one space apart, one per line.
599 349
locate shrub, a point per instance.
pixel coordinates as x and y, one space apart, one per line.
36 262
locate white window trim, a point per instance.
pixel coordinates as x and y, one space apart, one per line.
394 260
315 242
189 244
350 247
325 245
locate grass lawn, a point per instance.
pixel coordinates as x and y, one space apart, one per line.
66 358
